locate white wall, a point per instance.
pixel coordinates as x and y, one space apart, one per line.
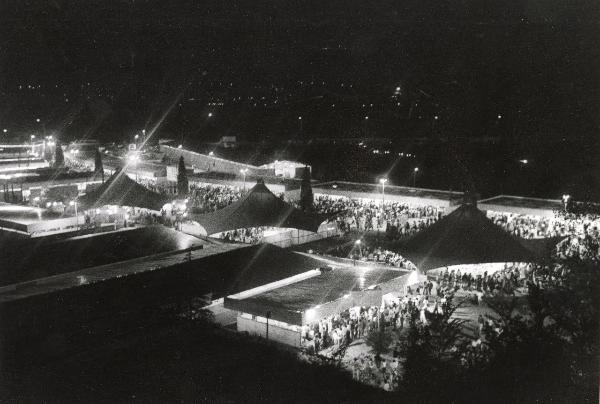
253 327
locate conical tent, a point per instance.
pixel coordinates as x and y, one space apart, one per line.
465 236
121 190
258 208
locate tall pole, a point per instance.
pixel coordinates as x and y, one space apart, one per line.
382 181
268 316
415 171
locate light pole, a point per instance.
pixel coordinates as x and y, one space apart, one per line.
136 137
74 203
565 199
300 122
382 181
244 171
268 317
415 171
358 243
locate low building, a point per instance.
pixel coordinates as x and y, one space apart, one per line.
519 205
408 195
279 310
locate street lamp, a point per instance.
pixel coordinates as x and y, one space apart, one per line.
565 199
415 171
244 171
358 244
382 181
74 203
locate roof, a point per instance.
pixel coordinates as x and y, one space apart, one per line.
219 270
258 208
121 190
327 287
524 202
390 190
25 260
465 236
287 303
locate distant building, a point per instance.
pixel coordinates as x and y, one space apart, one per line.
229 142
287 169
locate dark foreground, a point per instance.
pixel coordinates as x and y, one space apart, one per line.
182 362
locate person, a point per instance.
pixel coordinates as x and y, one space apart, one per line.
480 323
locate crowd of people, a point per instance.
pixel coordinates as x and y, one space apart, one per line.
334 333
382 373
248 236
582 230
395 218
208 198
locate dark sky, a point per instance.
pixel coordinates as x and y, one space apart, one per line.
535 62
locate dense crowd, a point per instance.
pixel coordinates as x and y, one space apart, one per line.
249 236
394 218
208 198
581 230
336 332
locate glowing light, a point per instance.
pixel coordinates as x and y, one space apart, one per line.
211 154
346 295
382 181
357 242
412 278
180 146
416 169
310 314
210 114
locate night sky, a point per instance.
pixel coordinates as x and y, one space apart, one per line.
524 72
535 63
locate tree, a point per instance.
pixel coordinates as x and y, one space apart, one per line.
59 157
182 180
306 193
379 341
433 366
98 166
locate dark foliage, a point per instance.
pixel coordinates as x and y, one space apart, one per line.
98 166
59 157
306 192
182 180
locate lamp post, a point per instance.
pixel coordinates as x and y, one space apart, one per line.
382 181
244 171
136 137
565 199
74 203
415 171
358 243
268 317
